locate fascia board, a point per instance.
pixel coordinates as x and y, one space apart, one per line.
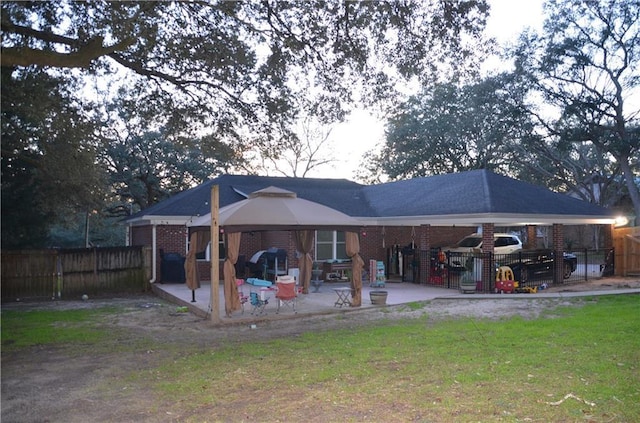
478 219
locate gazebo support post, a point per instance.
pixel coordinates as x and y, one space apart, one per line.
215 256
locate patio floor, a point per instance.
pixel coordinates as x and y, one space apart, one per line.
322 302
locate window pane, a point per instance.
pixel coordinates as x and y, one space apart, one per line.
340 237
324 251
324 236
341 251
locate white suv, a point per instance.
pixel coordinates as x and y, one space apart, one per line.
502 244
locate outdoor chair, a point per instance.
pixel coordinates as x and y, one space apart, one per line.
286 292
241 295
257 304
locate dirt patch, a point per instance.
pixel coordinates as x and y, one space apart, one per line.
598 285
79 384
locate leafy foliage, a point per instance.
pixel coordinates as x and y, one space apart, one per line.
453 128
585 66
48 157
208 81
247 62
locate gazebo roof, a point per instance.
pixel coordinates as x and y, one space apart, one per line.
274 208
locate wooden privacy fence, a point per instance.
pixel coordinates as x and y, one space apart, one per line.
69 273
626 244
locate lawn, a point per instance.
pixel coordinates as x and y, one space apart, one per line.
582 364
575 364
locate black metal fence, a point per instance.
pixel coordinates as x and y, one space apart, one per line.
533 269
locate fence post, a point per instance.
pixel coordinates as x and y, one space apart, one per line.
586 265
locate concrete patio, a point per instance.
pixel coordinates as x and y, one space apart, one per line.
323 302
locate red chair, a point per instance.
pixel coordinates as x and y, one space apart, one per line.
286 292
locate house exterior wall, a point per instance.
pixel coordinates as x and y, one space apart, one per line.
375 242
169 239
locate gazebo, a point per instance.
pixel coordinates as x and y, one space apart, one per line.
271 208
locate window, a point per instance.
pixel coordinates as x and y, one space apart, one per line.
330 245
203 251
222 253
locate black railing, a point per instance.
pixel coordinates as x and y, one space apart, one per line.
530 268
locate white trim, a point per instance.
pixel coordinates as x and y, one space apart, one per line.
499 219
154 250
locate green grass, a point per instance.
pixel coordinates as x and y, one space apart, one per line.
460 370
412 370
29 328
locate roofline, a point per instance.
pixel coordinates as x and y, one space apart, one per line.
158 220
498 219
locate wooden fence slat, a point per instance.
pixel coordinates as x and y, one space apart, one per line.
626 243
73 272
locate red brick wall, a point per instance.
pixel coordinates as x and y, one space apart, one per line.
371 245
173 239
558 247
169 238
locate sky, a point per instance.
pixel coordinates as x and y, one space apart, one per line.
363 132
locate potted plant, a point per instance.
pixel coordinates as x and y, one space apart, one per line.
378 297
467 282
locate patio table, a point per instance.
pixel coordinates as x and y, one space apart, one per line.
343 296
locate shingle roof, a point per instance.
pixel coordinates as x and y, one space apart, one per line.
339 194
477 192
472 192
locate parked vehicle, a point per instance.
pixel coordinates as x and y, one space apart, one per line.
536 265
502 244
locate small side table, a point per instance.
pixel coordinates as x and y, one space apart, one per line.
343 297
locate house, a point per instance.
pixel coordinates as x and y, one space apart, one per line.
422 212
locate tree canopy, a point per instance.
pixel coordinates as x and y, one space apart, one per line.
567 116
585 66
247 62
452 128
212 77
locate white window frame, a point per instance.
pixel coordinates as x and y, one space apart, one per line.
207 251
334 246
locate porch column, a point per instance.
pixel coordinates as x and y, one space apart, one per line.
607 232
532 238
558 248
425 253
488 270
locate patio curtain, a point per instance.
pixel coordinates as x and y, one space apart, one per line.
353 250
304 244
197 242
231 299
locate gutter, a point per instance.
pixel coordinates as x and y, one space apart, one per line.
154 267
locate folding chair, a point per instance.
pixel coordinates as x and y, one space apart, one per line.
241 295
286 292
257 303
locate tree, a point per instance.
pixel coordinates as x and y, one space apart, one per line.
48 157
300 150
244 63
585 66
453 128
147 167
225 69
